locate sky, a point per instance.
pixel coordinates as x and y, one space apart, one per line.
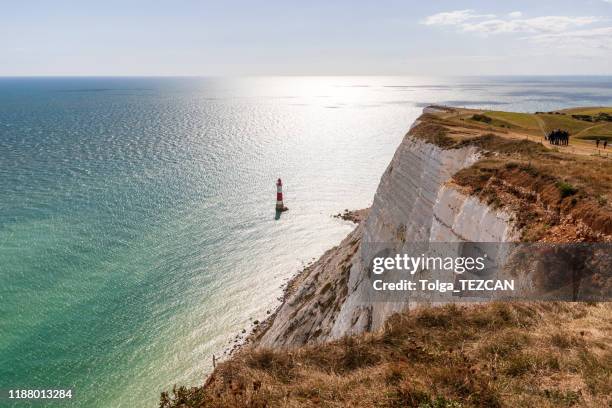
235 38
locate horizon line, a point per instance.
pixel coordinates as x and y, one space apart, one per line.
294 75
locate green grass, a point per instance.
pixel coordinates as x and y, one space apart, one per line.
529 122
494 122
588 111
563 122
522 120
602 131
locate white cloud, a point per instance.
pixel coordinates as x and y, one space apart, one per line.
554 32
545 24
454 17
467 20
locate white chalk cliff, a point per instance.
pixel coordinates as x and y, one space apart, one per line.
416 201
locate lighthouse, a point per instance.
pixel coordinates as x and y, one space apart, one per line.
279 196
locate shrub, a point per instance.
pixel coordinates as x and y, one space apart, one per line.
481 118
566 189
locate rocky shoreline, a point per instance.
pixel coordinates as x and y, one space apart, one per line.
356 216
259 328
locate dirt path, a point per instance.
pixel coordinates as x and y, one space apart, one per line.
576 146
541 124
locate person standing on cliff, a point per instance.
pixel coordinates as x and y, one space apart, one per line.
605 144
597 143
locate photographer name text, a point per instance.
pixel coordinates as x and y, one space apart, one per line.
464 285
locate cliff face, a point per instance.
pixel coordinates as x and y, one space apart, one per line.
415 202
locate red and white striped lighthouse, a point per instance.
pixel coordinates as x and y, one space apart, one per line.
279 196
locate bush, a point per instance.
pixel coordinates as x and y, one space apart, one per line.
481 118
566 189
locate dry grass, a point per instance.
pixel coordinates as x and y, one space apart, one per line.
542 187
548 190
494 355
432 130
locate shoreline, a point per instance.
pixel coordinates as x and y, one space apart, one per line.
259 328
354 216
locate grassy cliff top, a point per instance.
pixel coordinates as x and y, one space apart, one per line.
584 124
557 193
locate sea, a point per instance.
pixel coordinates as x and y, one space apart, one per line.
138 235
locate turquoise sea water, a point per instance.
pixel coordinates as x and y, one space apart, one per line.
137 231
